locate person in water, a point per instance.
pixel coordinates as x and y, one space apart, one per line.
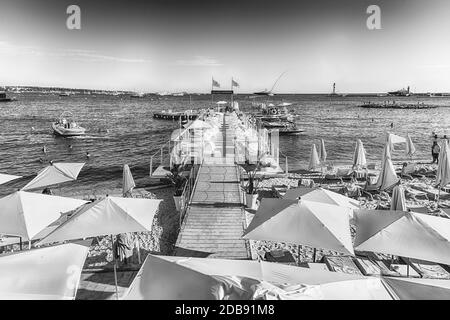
44 149
435 149
88 155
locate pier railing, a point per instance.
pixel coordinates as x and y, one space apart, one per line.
188 191
158 157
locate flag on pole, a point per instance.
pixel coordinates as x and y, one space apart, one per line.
234 83
215 83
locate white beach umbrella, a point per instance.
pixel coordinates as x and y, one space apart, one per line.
314 160
54 174
387 177
127 180
314 224
108 216
4 178
393 139
322 151
405 234
443 169
398 201
25 214
48 273
175 278
359 156
419 289
198 124
410 149
323 196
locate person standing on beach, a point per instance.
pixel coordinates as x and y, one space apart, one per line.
435 149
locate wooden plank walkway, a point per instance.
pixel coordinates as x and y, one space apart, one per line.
215 220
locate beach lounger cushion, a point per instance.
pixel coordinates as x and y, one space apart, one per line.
343 264
428 270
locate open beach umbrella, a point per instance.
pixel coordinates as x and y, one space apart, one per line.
4 178
198 124
127 180
111 215
25 214
175 278
387 177
359 156
314 160
393 139
419 289
398 201
108 216
323 196
322 152
410 149
54 174
48 273
314 224
443 169
405 234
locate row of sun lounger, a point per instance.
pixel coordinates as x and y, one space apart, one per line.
368 264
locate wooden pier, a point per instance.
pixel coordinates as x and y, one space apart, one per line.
215 219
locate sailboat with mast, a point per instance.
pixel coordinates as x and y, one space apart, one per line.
266 92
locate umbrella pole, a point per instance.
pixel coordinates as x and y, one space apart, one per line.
20 243
314 255
298 254
114 264
29 244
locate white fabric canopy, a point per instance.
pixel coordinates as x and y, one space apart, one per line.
388 176
54 174
4 178
44 273
398 201
177 278
394 139
127 180
314 160
25 214
419 289
108 216
359 156
443 169
323 196
410 149
303 222
322 151
198 124
406 234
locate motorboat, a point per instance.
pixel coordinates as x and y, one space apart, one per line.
4 98
67 127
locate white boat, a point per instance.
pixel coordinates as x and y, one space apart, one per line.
67 127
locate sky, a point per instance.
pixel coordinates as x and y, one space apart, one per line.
175 46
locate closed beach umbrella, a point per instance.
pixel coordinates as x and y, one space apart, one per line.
387 177
405 234
54 174
443 169
359 156
127 180
314 224
111 215
398 201
48 273
4 178
410 149
314 160
323 196
178 278
322 152
25 214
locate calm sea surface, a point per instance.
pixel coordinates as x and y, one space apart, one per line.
121 130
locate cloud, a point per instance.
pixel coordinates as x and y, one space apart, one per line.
75 54
199 61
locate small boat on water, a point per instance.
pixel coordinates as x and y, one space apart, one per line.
4 98
67 127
